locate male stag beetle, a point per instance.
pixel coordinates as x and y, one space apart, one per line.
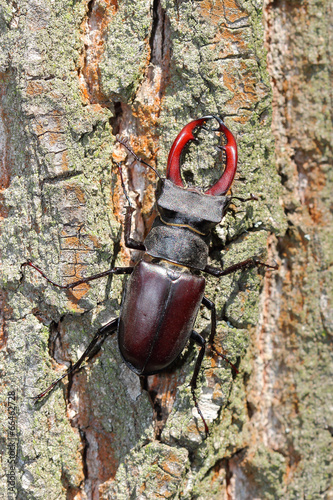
165 289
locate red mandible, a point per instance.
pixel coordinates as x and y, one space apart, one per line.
186 135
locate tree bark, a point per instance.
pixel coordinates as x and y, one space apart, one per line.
73 75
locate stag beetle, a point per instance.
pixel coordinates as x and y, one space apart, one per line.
165 289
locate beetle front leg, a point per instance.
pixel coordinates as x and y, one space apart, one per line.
88 354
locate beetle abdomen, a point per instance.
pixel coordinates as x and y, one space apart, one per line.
157 317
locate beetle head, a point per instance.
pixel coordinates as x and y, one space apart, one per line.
189 207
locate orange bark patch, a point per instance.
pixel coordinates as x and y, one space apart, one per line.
35 88
219 10
5 312
75 193
94 29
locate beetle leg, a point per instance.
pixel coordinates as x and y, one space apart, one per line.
211 306
202 343
88 354
193 384
245 264
114 270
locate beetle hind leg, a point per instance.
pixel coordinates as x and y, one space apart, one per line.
198 339
88 354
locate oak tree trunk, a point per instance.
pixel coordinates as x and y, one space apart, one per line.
73 75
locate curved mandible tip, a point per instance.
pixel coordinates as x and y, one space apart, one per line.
184 136
225 181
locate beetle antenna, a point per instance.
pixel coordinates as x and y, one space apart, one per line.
124 143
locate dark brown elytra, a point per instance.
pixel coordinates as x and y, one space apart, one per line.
165 289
